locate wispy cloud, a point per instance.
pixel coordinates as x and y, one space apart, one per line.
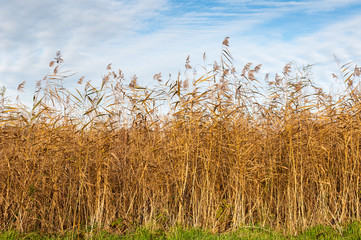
305 5
31 33
145 37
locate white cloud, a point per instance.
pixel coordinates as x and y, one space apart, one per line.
142 38
31 33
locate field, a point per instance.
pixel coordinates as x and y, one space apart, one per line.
350 231
220 152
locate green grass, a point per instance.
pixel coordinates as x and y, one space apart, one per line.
350 231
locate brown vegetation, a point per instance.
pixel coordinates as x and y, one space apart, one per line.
218 152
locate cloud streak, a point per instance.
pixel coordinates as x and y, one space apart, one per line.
145 37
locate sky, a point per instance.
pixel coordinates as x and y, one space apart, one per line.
145 37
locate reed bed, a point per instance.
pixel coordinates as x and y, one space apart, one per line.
218 152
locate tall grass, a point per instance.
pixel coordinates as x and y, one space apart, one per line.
220 151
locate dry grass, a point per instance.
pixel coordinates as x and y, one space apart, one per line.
219 152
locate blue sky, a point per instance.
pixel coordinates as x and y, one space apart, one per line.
145 37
